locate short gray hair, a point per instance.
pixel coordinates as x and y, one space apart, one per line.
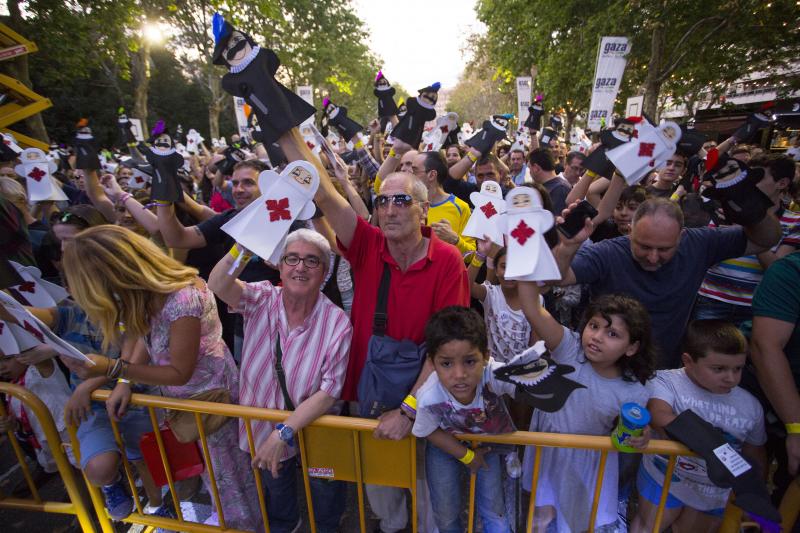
313 238
418 190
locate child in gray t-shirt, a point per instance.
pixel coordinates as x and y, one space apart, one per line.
713 358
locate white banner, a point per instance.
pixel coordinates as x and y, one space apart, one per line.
524 85
306 92
136 127
611 59
241 116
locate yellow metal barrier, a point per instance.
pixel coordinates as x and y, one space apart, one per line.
334 447
35 408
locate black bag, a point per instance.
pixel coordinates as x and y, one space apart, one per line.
392 366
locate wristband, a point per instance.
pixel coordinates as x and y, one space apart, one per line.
480 255
409 405
123 380
472 157
162 202
476 262
468 457
793 428
235 252
124 198
392 152
359 144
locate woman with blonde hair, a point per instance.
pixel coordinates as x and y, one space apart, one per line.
126 283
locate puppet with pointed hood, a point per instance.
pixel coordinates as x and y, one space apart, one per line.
165 162
419 110
337 115
252 76
385 93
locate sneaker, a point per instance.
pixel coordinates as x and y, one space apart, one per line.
118 503
164 511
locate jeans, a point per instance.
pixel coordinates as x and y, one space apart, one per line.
281 492
708 308
444 480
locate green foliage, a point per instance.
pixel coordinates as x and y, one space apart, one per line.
703 45
480 94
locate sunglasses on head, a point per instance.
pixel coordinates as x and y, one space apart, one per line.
68 218
399 200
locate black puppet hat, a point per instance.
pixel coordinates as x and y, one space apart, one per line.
223 30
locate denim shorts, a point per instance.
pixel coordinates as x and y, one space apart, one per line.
650 490
96 436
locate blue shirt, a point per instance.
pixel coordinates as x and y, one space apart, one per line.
669 292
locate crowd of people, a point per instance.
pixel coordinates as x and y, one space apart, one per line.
379 306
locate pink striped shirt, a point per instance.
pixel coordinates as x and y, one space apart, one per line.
314 355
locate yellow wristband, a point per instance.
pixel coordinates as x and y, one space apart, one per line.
793 429
123 380
476 262
359 144
392 152
411 402
468 457
235 252
472 157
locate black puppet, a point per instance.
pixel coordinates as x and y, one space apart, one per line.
385 93
539 380
419 110
597 162
492 131
337 115
252 76
166 162
126 136
735 188
535 114
85 147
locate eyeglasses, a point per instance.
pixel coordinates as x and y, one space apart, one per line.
310 261
399 200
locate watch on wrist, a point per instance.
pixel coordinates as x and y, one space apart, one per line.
285 433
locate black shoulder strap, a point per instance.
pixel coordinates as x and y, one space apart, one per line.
287 400
381 318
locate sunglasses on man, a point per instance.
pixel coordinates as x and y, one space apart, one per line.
399 200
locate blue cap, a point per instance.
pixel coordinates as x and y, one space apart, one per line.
634 415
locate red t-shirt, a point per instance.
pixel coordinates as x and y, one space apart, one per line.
432 283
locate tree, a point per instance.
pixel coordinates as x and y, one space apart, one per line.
679 47
480 93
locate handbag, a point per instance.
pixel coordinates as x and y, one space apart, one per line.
183 424
184 458
392 367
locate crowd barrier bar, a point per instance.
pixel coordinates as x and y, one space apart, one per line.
326 446
36 408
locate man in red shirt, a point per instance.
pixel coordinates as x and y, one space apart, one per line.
427 274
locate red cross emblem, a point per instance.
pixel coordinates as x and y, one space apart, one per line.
279 209
33 331
27 286
522 232
646 149
139 179
37 174
488 210
445 128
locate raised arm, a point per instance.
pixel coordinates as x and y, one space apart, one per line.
356 202
98 196
542 322
763 235
566 249
610 199
226 286
197 211
140 214
175 234
460 169
340 214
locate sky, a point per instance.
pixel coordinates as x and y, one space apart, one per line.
419 41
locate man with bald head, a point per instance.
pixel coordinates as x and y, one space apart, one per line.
426 275
660 263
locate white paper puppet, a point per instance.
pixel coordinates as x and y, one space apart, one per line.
37 171
8 342
285 197
193 141
647 151
434 138
34 291
29 331
529 257
489 216
9 149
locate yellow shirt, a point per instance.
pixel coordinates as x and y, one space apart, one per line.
457 213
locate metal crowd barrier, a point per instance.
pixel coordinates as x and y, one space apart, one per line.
35 408
339 448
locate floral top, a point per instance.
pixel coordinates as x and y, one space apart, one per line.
215 365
